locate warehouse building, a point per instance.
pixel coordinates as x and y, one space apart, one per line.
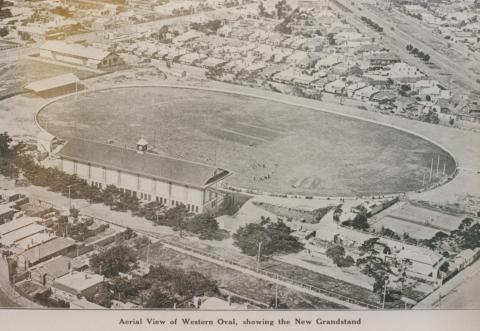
146 175
77 54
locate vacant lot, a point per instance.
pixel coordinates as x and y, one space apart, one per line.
270 146
15 75
426 216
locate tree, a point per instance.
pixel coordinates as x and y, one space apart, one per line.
261 9
173 285
112 261
369 245
103 296
335 252
175 217
360 221
281 239
205 225
74 212
275 238
159 298
5 142
232 203
3 31
281 8
444 267
248 237
111 196
124 288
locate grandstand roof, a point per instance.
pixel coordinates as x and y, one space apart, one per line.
146 164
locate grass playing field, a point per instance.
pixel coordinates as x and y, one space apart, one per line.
269 145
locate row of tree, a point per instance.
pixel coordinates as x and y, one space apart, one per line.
14 158
281 10
416 52
372 24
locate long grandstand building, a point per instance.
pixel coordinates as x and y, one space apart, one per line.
148 176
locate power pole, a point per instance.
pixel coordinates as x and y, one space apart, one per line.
384 294
259 255
69 198
148 254
276 294
438 163
431 170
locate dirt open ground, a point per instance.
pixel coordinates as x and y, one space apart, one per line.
16 74
269 146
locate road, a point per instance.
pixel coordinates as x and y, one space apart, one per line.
397 40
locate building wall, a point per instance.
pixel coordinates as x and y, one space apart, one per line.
46 54
145 188
82 170
69 59
112 177
85 292
109 61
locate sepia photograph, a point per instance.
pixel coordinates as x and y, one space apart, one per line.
167 160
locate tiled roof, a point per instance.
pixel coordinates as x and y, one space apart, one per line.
147 164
